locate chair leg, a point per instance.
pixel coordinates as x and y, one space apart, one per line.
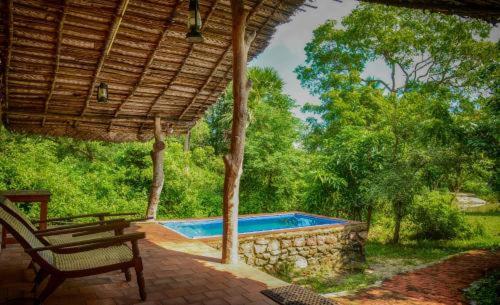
52 285
140 282
39 277
128 276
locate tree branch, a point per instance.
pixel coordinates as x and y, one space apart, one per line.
377 81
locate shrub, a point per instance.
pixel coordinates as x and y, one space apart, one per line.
436 216
485 291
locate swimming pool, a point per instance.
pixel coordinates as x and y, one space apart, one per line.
250 224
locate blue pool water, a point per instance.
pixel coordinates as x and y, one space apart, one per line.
213 227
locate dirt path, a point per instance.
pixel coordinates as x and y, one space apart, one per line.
439 284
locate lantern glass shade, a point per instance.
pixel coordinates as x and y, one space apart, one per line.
194 23
102 93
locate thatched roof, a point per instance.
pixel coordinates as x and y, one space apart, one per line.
56 52
488 10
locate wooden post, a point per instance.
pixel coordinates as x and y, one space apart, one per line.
233 161
158 175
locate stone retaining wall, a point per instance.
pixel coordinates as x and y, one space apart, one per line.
339 247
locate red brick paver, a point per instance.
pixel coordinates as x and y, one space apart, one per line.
439 284
177 271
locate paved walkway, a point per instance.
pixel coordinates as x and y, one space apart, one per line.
439 284
177 271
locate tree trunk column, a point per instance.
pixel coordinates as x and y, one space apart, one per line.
233 161
158 175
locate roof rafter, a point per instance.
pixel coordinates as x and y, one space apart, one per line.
250 14
177 73
122 7
58 58
223 56
91 118
201 110
170 21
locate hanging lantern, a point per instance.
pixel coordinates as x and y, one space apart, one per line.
102 93
194 23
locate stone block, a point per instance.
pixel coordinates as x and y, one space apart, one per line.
299 242
261 241
300 262
286 243
246 247
273 245
273 260
311 241
330 239
260 248
276 252
304 253
320 240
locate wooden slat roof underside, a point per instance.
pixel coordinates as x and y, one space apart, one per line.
56 52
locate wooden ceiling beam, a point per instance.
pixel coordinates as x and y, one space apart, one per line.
122 7
91 118
58 58
178 72
193 100
150 60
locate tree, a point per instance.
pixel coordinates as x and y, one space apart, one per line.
272 177
433 80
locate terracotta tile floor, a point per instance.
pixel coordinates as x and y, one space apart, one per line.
177 271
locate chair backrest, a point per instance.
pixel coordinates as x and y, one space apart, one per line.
21 231
12 206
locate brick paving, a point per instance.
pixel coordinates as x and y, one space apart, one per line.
177 270
439 284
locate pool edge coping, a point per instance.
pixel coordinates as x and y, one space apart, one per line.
262 233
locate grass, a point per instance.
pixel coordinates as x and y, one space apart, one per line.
385 260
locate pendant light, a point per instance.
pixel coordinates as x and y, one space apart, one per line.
102 93
194 23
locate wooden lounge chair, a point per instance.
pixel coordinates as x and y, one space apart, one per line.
71 233
76 259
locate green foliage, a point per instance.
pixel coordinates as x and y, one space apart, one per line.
378 144
485 291
436 216
382 140
272 179
87 177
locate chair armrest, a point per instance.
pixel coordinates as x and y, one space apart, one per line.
120 239
121 214
94 215
81 225
96 228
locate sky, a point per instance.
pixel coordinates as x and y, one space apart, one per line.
286 49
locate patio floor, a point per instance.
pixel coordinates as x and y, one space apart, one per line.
177 271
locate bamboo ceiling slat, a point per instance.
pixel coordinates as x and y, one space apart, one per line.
58 59
150 58
122 7
60 49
